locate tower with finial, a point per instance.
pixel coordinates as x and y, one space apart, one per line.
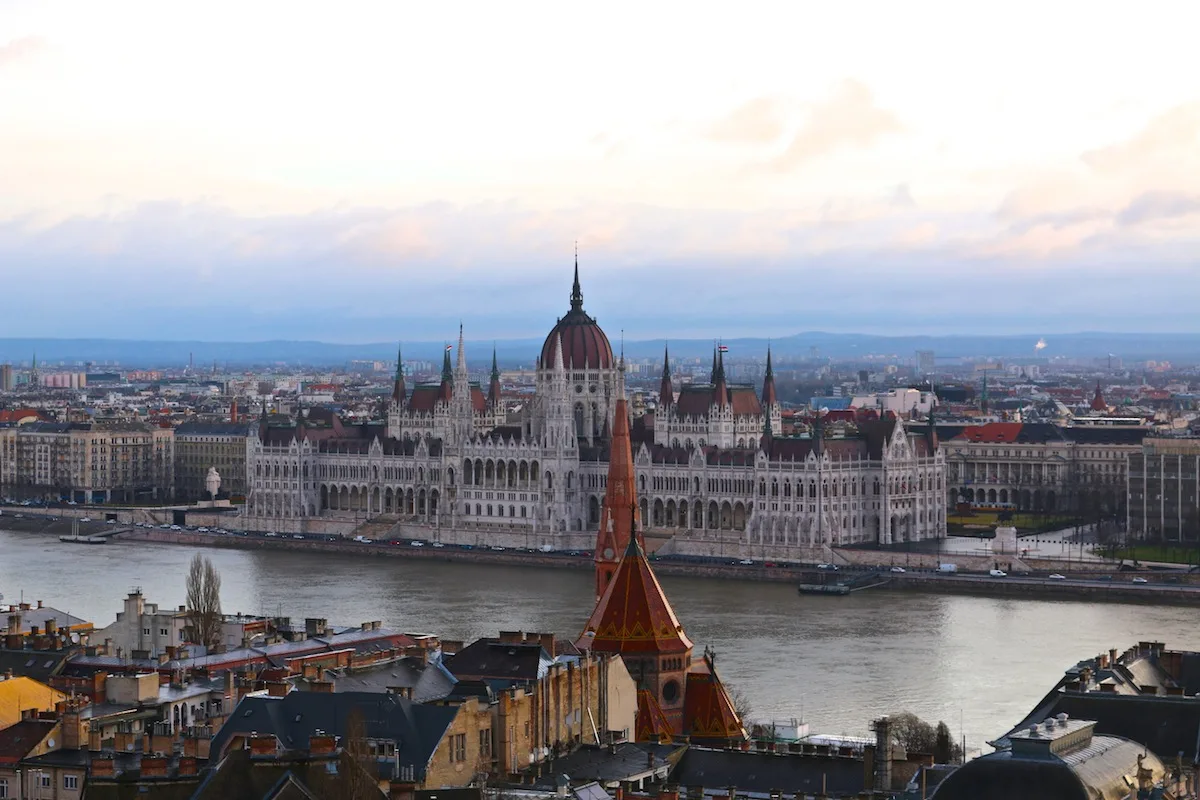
772 410
619 511
494 401
666 392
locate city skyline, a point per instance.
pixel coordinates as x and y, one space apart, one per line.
388 172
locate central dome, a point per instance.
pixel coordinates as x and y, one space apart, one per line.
584 344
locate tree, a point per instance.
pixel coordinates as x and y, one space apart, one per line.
361 781
204 602
741 703
943 745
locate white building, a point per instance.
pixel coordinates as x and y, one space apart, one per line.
710 460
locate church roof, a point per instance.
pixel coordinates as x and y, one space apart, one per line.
634 615
708 713
651 723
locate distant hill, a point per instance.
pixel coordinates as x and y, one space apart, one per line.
1180 347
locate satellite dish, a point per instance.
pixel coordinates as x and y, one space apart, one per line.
75 638
50 743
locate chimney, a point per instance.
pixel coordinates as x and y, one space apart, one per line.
39 603
322 745
154 767
321 686
511 637
101 766
51 625
262 745
278 688
188 766
1112 656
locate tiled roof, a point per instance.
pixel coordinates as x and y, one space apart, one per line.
17 740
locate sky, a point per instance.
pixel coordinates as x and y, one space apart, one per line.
371 171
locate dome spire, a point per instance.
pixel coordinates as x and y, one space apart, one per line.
576 292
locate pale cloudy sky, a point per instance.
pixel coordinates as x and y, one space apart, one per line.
368 171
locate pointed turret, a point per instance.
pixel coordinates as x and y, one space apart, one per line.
576 291
460 367
398 388
1098 402
720 396
931 436
446 389
709 715
666 393
494 386
619 511
767 436
768 393
262 422
712 376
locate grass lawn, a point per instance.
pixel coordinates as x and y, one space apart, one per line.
1024 523
1172 554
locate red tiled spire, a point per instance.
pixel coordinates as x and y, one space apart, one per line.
709 716
666 393
1098 403
651 723
768 393
619 512
633 616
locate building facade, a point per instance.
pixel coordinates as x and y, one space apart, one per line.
87 462
1164 487
200 446
1041 466
709 461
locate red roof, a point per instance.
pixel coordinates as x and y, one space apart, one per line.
634 615
651 723
583 342
992 432
619 511
708 713
20 414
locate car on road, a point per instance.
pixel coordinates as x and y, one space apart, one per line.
110 522
85 519
898 570
297 536
830 567
1140 580
497 548
997 573
416 544
746 562
1054 576
176 528
438 544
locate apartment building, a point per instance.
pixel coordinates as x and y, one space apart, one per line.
202 445
93 462
1164 487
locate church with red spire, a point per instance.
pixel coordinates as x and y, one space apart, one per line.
680 697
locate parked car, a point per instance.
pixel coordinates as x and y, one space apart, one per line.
417 544
746 562
830 567
899 570
998 573
1140 580
1054 576
438 544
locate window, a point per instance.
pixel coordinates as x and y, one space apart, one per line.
3 788
163 632
44 780
485 743
70 781
145 631
458 748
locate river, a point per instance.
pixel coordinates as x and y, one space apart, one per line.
837 662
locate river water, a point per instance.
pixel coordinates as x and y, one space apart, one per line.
979 664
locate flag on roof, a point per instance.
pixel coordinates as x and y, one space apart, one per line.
723 348
449 347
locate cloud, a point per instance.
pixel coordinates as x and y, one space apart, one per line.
16 50
849 118
757 121
1157 206
902 197
1171 134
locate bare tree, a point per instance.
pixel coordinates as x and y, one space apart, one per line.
361 780
741 703
204 602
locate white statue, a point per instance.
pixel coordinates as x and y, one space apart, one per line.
212 482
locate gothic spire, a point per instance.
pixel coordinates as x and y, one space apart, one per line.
495 368
494 388
769 397
666 392
462 353
576 292
447 371
720 390
398 388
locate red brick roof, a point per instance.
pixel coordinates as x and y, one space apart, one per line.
708 713
634 615
992 432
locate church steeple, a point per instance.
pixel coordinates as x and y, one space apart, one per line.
446 390
494 387
666 392
576 292
720 389
619 511
768 393
398 388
